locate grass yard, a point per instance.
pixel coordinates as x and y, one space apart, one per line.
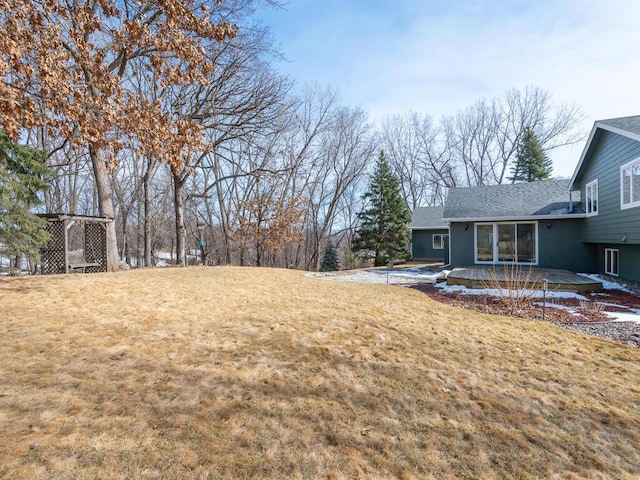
209 373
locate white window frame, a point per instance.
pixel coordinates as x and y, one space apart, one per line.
609 263
495 243
591 205
631 203
442 240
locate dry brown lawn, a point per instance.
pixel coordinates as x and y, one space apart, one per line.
208 373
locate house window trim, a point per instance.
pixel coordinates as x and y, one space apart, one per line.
592 212
631 204
609 271
495 246
442 240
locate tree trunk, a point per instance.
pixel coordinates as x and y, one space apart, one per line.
258 256
105 206
181 233
126 252
147 216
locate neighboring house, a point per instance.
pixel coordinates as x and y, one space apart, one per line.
429 235
608 177
536 223
546 224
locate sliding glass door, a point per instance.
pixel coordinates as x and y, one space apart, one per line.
514 242
506 242
484 243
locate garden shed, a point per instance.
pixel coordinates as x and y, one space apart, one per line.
78 244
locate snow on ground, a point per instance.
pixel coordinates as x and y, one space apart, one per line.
414 275
606 284
495 292
400 276
631 316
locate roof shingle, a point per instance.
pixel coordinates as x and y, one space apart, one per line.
629 124
516 200
428 217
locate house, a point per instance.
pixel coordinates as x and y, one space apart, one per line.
429 235
590 223
536 223
608 178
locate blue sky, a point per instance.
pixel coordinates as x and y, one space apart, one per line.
436 57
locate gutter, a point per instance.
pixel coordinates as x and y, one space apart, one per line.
517 218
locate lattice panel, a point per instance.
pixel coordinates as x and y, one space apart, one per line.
95 246
52 254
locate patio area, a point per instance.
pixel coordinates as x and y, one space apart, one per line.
531 277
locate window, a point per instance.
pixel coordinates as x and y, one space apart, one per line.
439 240
526 243
630 184
515 242
484 243
592 198
611 261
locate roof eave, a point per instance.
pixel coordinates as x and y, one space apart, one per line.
435 227
517 218
596 126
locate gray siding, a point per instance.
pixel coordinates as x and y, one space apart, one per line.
462 254
628 258
559 246
422 244
608 153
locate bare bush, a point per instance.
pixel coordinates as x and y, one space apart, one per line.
592 306
515 285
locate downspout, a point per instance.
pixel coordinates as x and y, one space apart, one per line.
570 201
448 264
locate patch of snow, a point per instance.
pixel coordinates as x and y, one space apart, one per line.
607 304
557 306
607 284
497 292
564 295
397 276
406 273
633 316
375 276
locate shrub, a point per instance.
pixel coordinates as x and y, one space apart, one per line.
515 287
330 258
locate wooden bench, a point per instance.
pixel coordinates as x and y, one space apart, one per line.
77 262
82 266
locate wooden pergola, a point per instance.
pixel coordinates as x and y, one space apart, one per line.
78 244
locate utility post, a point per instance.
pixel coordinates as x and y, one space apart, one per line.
545 287
201 242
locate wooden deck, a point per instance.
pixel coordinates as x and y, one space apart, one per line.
523 276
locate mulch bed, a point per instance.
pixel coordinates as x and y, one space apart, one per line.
588 318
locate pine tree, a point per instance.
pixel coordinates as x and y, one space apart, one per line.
532 162
383 231
22 174
330 258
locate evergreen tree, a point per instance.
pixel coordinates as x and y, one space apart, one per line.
330 258
383 231
22 178
532 162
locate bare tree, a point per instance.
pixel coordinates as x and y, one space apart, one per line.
483 139
417 156
533 108
347 148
